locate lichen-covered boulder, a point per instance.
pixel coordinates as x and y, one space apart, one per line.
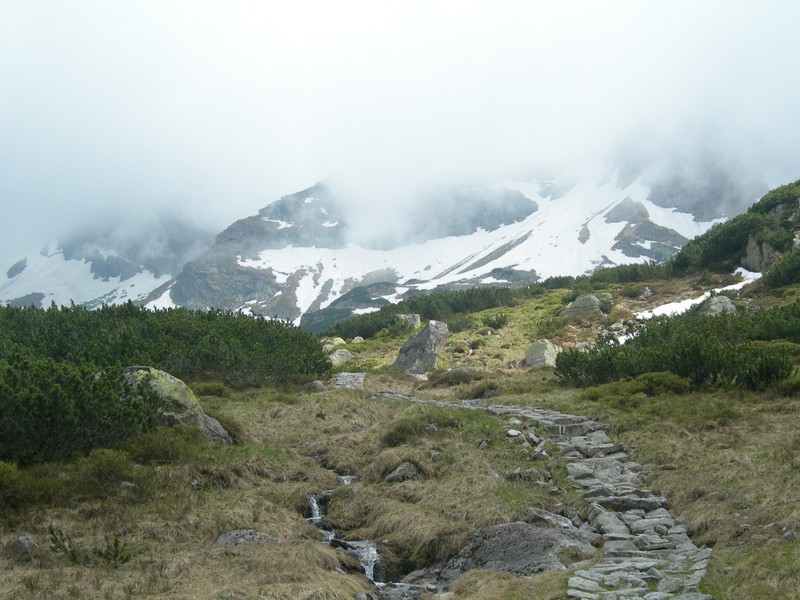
541 353
420 353
340 357
180 404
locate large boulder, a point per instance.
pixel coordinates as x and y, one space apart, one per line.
420 353
180 404
716 305
541 353
588 305
522 549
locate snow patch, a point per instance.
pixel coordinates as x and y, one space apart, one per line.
164 301
676 308
281 224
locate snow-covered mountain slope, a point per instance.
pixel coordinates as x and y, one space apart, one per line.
47 277
568 233
110 260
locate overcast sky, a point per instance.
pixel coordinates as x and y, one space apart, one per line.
216 108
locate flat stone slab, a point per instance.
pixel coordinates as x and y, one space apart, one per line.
353 381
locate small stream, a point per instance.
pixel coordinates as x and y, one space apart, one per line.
365 551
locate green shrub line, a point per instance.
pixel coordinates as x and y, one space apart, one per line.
707 350
238 349
62 390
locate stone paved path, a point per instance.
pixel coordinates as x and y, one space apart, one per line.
647 553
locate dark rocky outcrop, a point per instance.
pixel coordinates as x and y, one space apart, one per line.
420 353
627 211
518 548
645 238
759 256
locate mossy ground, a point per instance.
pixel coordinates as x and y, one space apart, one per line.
730 461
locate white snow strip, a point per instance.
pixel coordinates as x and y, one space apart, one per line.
330 223
163 301
676 308
281 224
364 311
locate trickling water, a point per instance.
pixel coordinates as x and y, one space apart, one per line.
367 554
316 511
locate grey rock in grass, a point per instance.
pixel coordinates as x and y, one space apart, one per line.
22 548
588 305
340 357
242 537
421 352
405 471
541 353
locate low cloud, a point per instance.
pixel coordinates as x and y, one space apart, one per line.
216 110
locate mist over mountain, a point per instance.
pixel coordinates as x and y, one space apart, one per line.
107 262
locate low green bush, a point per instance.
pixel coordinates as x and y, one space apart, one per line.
103 470
165 445
55 410
705 350
785 271
497 321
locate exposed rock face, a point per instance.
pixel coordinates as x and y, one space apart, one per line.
716 306
521 548
759 256
627 210
541 353
645 238
588 305
181 406
420 353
